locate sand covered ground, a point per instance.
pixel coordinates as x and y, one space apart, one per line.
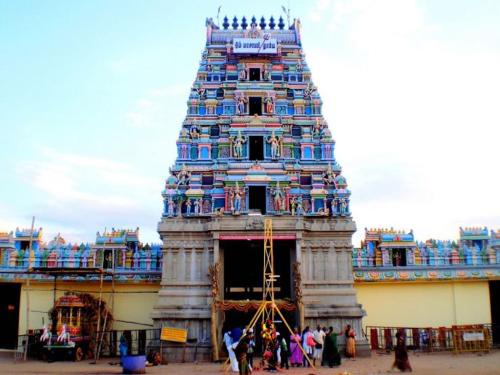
423 363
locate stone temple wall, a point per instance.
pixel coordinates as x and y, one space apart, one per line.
323 249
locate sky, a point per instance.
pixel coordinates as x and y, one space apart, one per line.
93 94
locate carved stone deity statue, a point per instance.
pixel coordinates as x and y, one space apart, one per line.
170 206
274 141
238 143
269 104
189 204
318 128
297 208
243 74
309 90
197 206
184 176
300 207
207 207
194 131
266 73
237 196
278 198
344 203
240 103
201 93
329 176
306 205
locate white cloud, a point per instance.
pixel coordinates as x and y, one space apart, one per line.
416 119
71 177
156 106
82 194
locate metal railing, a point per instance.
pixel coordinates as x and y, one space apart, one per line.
426 339
139 341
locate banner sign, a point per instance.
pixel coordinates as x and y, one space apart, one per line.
473 336
174 334
263 45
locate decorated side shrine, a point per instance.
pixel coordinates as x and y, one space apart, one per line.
434 283
254 144
118 250
387 248
131 275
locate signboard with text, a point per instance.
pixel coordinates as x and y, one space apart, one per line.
473 336
173 334
263 45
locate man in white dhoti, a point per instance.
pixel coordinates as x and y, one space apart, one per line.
228 341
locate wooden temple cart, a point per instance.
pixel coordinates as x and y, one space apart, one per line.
70 340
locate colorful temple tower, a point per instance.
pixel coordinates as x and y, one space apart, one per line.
7 246
254 144
118 248
386 247
474 237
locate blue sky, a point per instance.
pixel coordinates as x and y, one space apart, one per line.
92 95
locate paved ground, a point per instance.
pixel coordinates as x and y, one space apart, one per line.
428 363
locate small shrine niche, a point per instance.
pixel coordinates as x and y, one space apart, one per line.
255 106
254 74
69 310
256 148
257 199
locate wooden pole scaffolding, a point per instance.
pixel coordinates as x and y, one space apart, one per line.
268 305
96 357
28 290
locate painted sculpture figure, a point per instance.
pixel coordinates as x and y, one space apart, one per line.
278 198
274 141
238 143
184 176
240 104
269 104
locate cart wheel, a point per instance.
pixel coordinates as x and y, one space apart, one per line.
78 354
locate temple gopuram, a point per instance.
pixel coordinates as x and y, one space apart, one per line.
254 144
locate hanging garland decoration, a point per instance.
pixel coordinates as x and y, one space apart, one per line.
245 306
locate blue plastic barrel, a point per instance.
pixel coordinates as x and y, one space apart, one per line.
134 364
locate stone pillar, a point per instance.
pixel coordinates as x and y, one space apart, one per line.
184 300
328 288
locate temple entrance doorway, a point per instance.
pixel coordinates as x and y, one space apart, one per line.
9 314
243 272
243 268
495 310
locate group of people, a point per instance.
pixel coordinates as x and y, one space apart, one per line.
318 347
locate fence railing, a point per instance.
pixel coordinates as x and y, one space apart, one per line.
426 338
138 341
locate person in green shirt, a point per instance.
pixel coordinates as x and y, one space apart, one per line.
284 353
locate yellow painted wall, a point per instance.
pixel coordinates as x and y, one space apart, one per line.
132 302
431 304
427 304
